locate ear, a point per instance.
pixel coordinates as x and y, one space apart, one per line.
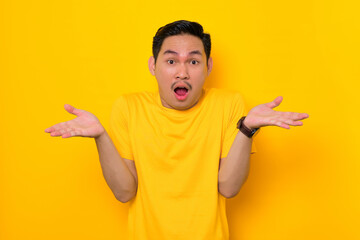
151 64
209 65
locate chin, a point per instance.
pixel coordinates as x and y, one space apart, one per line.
183 105
182 108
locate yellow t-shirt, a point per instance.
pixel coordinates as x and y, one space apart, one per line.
176 155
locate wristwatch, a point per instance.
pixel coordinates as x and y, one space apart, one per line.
248 132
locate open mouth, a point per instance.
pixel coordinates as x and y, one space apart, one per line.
181 93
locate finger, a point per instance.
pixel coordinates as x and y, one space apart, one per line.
291 122
275 103
63 132
278 122
72 109
72 133
294 115
55 134
60 126
282 124
57 129
303 116
68 134
49 129
300 116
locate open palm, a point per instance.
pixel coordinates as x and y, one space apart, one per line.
264 115
85 124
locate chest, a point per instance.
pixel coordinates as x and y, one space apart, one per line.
161 131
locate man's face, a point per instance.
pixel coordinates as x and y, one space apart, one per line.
180 71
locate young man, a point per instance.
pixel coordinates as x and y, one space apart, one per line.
178 153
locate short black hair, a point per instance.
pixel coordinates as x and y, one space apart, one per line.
178 28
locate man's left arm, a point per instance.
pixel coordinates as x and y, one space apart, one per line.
234 168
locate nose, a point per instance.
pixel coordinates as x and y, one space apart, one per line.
182 72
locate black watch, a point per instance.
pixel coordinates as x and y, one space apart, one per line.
248 132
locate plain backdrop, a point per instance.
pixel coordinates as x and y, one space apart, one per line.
303 182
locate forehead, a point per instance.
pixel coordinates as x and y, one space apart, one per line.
182 43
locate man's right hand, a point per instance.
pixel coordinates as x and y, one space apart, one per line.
85 124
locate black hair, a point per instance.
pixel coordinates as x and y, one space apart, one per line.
178 28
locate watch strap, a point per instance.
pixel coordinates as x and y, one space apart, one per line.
246 131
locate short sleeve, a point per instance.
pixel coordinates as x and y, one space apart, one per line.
236 110
119 128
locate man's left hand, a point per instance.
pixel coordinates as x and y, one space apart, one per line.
264 115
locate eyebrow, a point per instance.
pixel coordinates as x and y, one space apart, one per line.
197 52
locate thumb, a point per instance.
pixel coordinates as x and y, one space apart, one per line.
72 109
275 103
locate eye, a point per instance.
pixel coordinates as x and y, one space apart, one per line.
194 62
170 61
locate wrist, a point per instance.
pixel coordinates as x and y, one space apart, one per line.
247 124
248 129
101 135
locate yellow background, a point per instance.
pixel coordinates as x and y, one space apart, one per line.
304 182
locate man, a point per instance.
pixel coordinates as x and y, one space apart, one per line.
176 154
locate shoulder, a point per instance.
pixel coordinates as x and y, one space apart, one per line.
126 104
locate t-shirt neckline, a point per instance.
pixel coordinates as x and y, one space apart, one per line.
176 112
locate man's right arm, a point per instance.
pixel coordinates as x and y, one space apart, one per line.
117 174
120 174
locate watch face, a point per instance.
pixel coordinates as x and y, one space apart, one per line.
255 132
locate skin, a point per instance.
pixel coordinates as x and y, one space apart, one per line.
181 60
234 169
175 64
